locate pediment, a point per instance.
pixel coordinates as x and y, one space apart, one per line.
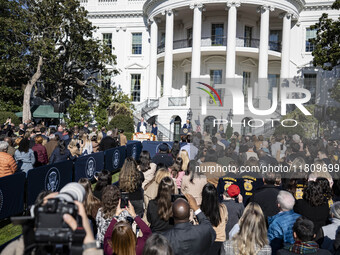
135 66
185 62
248 62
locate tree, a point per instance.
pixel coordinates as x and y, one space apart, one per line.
229 131
79 112
122 104
10 99
124 122
326 51
100 108
56 47
307 124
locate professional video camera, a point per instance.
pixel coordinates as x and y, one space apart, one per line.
51 235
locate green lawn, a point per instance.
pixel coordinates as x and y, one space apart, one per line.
9 231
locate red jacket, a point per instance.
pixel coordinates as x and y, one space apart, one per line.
40 154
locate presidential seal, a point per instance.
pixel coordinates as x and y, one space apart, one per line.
52 179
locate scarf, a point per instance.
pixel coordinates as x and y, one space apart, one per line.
303 247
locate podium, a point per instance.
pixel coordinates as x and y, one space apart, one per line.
143 137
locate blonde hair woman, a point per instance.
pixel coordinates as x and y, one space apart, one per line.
185 157
251 238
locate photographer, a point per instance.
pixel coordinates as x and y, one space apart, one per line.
27 244
120 238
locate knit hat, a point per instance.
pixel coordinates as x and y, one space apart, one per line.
233 190
163 147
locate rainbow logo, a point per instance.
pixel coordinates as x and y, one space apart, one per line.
209 93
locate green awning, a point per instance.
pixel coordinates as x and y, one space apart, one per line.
43 112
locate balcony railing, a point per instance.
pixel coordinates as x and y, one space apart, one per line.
247 42
220 41
214 41
177 101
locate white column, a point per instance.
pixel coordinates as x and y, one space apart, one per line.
231 39
263 58
196 41
168 58
153 59
264 42
285 57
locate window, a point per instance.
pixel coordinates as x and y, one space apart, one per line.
217 34
215 77
189 37
248 36
135 87
107 40
187 83
136 43
310 34
275 38
246 84
310 84
274 82
162 84
163 39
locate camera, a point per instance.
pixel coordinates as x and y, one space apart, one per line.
49 223
46 229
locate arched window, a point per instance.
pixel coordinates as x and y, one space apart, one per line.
209 125
246 129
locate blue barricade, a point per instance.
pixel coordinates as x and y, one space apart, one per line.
12 190
114 158
86 166
152 146
49 177
133 149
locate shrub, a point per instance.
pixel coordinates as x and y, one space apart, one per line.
281 130
124 122
4 116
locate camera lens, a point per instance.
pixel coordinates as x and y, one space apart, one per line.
72 191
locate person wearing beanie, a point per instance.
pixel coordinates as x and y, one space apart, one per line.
235 209
328 232
163 156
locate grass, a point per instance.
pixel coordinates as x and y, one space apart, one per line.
8 231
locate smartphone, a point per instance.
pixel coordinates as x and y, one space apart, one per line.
124 199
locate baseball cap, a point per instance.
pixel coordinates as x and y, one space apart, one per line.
233 190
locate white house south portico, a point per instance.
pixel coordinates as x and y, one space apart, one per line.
176 42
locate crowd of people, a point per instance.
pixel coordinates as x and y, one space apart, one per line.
31 145
180 202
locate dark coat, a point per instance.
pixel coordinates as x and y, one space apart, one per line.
157 224
318 214
107 143
164 158
266 197
188 239
57 157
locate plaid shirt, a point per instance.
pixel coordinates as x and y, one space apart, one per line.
228 249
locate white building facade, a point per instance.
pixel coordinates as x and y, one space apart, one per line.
162 46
